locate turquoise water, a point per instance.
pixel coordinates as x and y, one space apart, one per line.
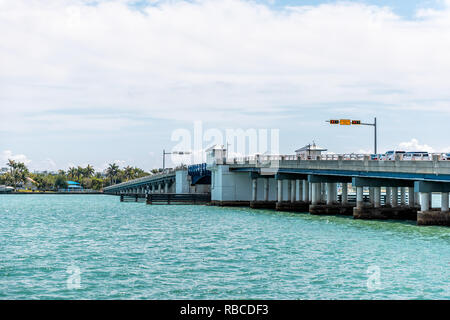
135 251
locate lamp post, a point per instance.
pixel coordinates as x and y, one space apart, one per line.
347 122
173 152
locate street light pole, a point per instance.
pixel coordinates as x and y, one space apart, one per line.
174 152
358 122
374 125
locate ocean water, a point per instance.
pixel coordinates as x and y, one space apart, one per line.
94 247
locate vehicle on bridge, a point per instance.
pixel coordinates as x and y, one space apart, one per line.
445 156
390 155
417 155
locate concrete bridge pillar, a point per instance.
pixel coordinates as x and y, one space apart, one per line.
359 198
289 188
254 189
299 190
403 196
166 187
416 198
266 189
371 195
280 191
411 197
425 201
388 201
377 197
345 193
444 201
331 197
293 190
323 192
316 193
306 190
394 196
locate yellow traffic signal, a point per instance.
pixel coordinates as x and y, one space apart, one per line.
345 122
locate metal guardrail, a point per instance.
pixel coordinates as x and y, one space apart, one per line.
169 172
258 159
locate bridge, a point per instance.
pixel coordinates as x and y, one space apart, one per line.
397 189
182 180
344 184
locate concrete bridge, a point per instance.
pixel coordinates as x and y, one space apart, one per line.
397 189
325 184
183 180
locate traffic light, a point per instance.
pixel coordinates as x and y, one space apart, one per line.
356 121
334 121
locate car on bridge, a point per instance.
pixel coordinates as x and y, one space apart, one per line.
445 156
390 155
417 155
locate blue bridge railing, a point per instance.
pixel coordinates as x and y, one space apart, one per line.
199 174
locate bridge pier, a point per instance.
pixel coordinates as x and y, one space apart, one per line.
427 214
331 206
374 209
291 202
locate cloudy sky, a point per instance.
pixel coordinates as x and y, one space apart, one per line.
110 80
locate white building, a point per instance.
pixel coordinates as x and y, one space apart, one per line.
310 151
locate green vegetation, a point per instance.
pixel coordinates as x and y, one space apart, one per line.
19 177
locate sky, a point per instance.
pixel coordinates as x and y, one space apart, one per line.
95 82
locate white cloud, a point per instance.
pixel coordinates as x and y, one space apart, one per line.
414 145
8 154
209 59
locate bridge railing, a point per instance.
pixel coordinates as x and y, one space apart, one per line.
143 179
259 159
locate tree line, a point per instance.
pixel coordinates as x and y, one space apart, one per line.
19 175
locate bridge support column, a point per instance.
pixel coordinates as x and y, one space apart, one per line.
306 191
425 201
315 193
280 191
344 193
254 189
299 190
266 189
411 197
388 202
289 188
331 206
291 204
375 210
428 215
444 202
394 197
377 197
359 198
403 196
293 190
331 187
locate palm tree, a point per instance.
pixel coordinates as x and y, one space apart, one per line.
89 171
128 173
112 171
79 173
18 172
72 172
